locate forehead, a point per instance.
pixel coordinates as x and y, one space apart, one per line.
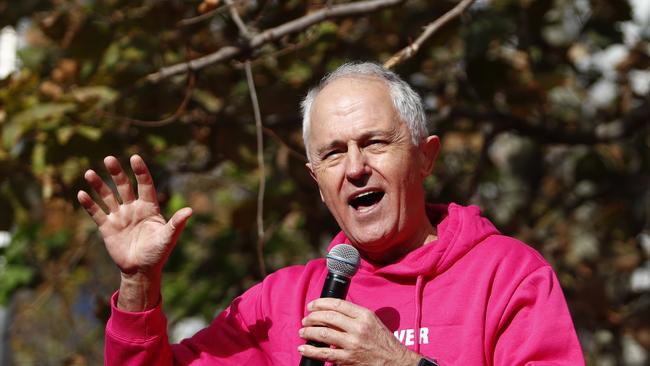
352 103
347 90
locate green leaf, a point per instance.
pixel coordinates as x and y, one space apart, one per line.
210 102
133 54
298 73
64 133
43 112
100 95
71 170
176 202
32 57
28 119
157 142
327 28
38 158
91 133
12 277
111 56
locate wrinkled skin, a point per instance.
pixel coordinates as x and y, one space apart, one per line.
358 335
137 237
359 146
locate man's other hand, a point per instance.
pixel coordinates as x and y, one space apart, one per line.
136 235
357 334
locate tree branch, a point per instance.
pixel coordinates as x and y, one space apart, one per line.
237 19
262 169
269 35
429 30
167 120
293 152
488 138
604 133
198 19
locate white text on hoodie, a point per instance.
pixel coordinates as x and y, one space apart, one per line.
407 336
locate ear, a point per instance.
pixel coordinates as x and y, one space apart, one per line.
429 150
310 168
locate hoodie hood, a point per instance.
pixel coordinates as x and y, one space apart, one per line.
459 229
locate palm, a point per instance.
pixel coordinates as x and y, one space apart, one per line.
136 235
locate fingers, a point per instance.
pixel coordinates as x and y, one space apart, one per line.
357 335
91 207
344 307
325 335
327 318
146 189
333 355
105 193
336 318
120 179
330 327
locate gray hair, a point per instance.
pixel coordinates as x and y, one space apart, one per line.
406 101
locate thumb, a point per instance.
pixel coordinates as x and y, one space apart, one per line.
173 229
178 221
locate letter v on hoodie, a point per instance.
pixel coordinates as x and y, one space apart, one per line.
471 297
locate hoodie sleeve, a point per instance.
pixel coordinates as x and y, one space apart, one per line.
136 338
231 339
536 327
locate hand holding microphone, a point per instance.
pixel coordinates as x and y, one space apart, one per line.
359 337
342 264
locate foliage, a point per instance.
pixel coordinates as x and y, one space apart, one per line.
541 106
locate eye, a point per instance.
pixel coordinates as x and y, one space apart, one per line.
330 154
375 143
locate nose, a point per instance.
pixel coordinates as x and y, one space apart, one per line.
357 170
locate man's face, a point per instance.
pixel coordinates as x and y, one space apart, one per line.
368 171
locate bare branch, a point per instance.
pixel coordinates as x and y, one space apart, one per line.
237 19
167 120
198 19
262 169
293 152
627 126
429 30
296 25
489 134
308 39
333 12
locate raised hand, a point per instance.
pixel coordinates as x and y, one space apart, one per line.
358 335
136 235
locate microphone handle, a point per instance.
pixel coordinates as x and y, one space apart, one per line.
335 286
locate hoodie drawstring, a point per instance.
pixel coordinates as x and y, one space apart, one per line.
418 311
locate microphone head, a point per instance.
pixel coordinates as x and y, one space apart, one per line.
343 260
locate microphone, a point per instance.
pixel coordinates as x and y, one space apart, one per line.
342 264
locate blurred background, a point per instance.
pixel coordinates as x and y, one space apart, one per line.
542 107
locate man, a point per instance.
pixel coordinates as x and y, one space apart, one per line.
437 284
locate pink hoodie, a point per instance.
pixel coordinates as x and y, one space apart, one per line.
472 297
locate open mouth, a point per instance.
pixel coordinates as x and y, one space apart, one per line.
366 199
